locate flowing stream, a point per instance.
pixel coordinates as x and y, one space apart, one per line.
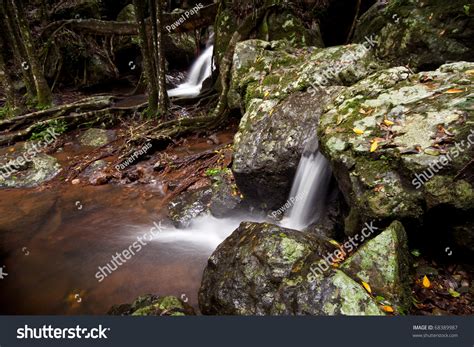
309 189
200 70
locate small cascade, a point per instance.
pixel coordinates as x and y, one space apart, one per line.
309 189
200 70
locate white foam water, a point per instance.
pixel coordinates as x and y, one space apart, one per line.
309 189
200 70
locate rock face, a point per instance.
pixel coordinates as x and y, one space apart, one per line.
421 34
220 200
400 144
152 305
262 269
42 168
384 263
244 273
282 92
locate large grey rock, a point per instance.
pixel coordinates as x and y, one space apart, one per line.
42 168
384 263
421 34
413 120
263 269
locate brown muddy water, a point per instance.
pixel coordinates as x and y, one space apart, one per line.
52 243
53 239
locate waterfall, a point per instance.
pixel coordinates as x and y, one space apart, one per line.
200 70
309 188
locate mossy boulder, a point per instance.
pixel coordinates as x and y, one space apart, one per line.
421 34
243 274
384 263
96 137
399 143
219 199
263 269
282 92
40 169
152 305
274 70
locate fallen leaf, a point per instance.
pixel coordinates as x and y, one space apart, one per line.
387 308
470 72
454 293
266 94
453 91
374 146
367 287
358 131
388 123
426 282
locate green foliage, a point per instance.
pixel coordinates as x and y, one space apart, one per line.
41 131
467 9
217 171
5 112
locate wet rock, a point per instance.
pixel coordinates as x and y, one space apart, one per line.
282 92
152 305
375 135
42 168
384 263
188 206
95 174
421 34
244 273
96 137
269 144
219 199
263 269
333 293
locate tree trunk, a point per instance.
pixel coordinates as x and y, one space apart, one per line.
43 93
147 54
7 81
163 101
13 40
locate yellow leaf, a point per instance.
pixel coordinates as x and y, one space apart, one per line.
358 131
470 72
387 309
453 91
271 111
388 123
367 287
267 93
426 282
374 146
335 243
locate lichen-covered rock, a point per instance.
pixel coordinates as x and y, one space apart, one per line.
269 144
274 70
152 305
328 294
263 269
283 91
188 206
40 169
243 274
220 199
399 143
96 137
421 34
384 263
